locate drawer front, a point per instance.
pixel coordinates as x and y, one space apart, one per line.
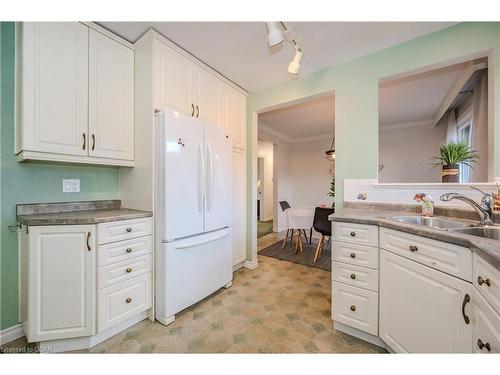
486 326
355 233
123 271
355 307
124 230
122 301
362 277
124 250
452 259
358 255
486 279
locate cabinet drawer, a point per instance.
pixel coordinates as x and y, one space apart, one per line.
355 233
489 277
486 329
124 230
122 301
358 255
362 277
355 307
124 250
128 269
452 259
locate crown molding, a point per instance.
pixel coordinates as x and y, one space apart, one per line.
286 138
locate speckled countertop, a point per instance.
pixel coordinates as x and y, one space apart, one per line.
76 213
485 248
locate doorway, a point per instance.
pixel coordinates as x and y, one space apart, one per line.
265 189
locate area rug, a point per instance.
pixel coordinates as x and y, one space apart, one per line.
305 258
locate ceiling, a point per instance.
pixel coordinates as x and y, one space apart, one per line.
239 50
417 98
314 119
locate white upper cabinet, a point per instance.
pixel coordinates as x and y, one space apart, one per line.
209 92
52 101
74 94
235 104
61 285
172 73
111 98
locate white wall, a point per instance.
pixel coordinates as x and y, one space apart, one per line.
407 154
265 151
311 176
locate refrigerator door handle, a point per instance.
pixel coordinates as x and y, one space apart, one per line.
210 178
201 167
207 238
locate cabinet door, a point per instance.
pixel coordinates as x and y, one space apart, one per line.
209 97
53 87
423 310
486 326
239 214
172 80
235 115
61 282
111 98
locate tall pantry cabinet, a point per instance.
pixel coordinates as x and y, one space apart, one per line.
167 76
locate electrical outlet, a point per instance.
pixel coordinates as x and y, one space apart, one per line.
71 186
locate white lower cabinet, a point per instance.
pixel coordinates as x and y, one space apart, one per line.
423 310
66 293
486 326
59 282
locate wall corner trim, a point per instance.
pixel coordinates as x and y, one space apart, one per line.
251 265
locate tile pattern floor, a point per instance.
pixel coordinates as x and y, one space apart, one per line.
281 307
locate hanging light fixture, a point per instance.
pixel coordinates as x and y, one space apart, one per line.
276 33
330 154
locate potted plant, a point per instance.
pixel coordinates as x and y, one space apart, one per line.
331 193
451 155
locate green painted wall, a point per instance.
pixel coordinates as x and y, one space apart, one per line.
355 84
31 182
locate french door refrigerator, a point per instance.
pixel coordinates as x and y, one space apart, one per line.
193 211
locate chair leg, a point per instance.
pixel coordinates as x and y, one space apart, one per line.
286 237
291 237
305 235
298 245
310 235
319 248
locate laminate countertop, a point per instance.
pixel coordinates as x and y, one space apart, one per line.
76 213
485 248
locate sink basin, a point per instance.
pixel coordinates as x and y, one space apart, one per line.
434 222
485 232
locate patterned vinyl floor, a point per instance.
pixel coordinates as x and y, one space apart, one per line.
280 307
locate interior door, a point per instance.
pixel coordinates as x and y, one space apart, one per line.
183 174
218 177
111 98
55 87
62 282
423 310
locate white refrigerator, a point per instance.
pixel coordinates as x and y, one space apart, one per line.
193 211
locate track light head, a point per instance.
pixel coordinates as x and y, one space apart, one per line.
294 66
274 34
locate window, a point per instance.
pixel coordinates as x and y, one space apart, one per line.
464 125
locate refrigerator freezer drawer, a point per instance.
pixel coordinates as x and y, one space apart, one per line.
194 268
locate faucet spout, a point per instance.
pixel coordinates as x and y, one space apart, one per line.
484 210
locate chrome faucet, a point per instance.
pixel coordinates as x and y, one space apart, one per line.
483 209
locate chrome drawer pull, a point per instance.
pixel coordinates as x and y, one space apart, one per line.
413 248
482 281
353 308
128 300
129 250
353 276
353 255
128 270
129 230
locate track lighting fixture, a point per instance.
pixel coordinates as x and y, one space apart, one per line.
276 33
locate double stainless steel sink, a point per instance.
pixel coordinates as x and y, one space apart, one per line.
490 231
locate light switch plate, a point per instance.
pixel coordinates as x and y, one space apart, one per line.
71 186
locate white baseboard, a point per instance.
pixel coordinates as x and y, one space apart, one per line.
250 265
268 218
11 334
372 339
